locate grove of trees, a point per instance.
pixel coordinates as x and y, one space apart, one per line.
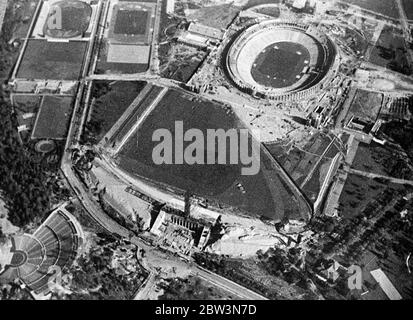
23 179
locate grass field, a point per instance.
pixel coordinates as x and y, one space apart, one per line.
377 159
278 67
110 102
215 16
366 105
131 22
14 26
408 8
265 193
52 60
270 11
53 118
390 51
298 162
357 193
143 105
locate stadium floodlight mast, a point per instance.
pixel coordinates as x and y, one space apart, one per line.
244 147
54 19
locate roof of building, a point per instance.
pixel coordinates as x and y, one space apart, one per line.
385 284
299 4
206 31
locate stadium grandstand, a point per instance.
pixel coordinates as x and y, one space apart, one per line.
281 60
35 257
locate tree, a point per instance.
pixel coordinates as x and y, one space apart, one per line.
23 182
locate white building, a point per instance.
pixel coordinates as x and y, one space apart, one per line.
170 6
386 285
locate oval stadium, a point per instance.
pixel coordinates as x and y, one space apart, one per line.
281 60
68 19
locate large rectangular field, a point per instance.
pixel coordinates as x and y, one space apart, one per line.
52 60
265 194
53 118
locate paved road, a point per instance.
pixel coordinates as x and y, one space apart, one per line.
374 175
140 120
406 28
321 158
146 288
404 21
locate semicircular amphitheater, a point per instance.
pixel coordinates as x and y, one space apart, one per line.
282 60
68 19
35 258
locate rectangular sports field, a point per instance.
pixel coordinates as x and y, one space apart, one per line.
53 118
52 60
131 23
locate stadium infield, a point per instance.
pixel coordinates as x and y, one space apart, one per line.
53 118
280 64
52 60
264 195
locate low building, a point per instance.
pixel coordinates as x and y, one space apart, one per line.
299 4
205 31
385 284
170 6
194 40
178 233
